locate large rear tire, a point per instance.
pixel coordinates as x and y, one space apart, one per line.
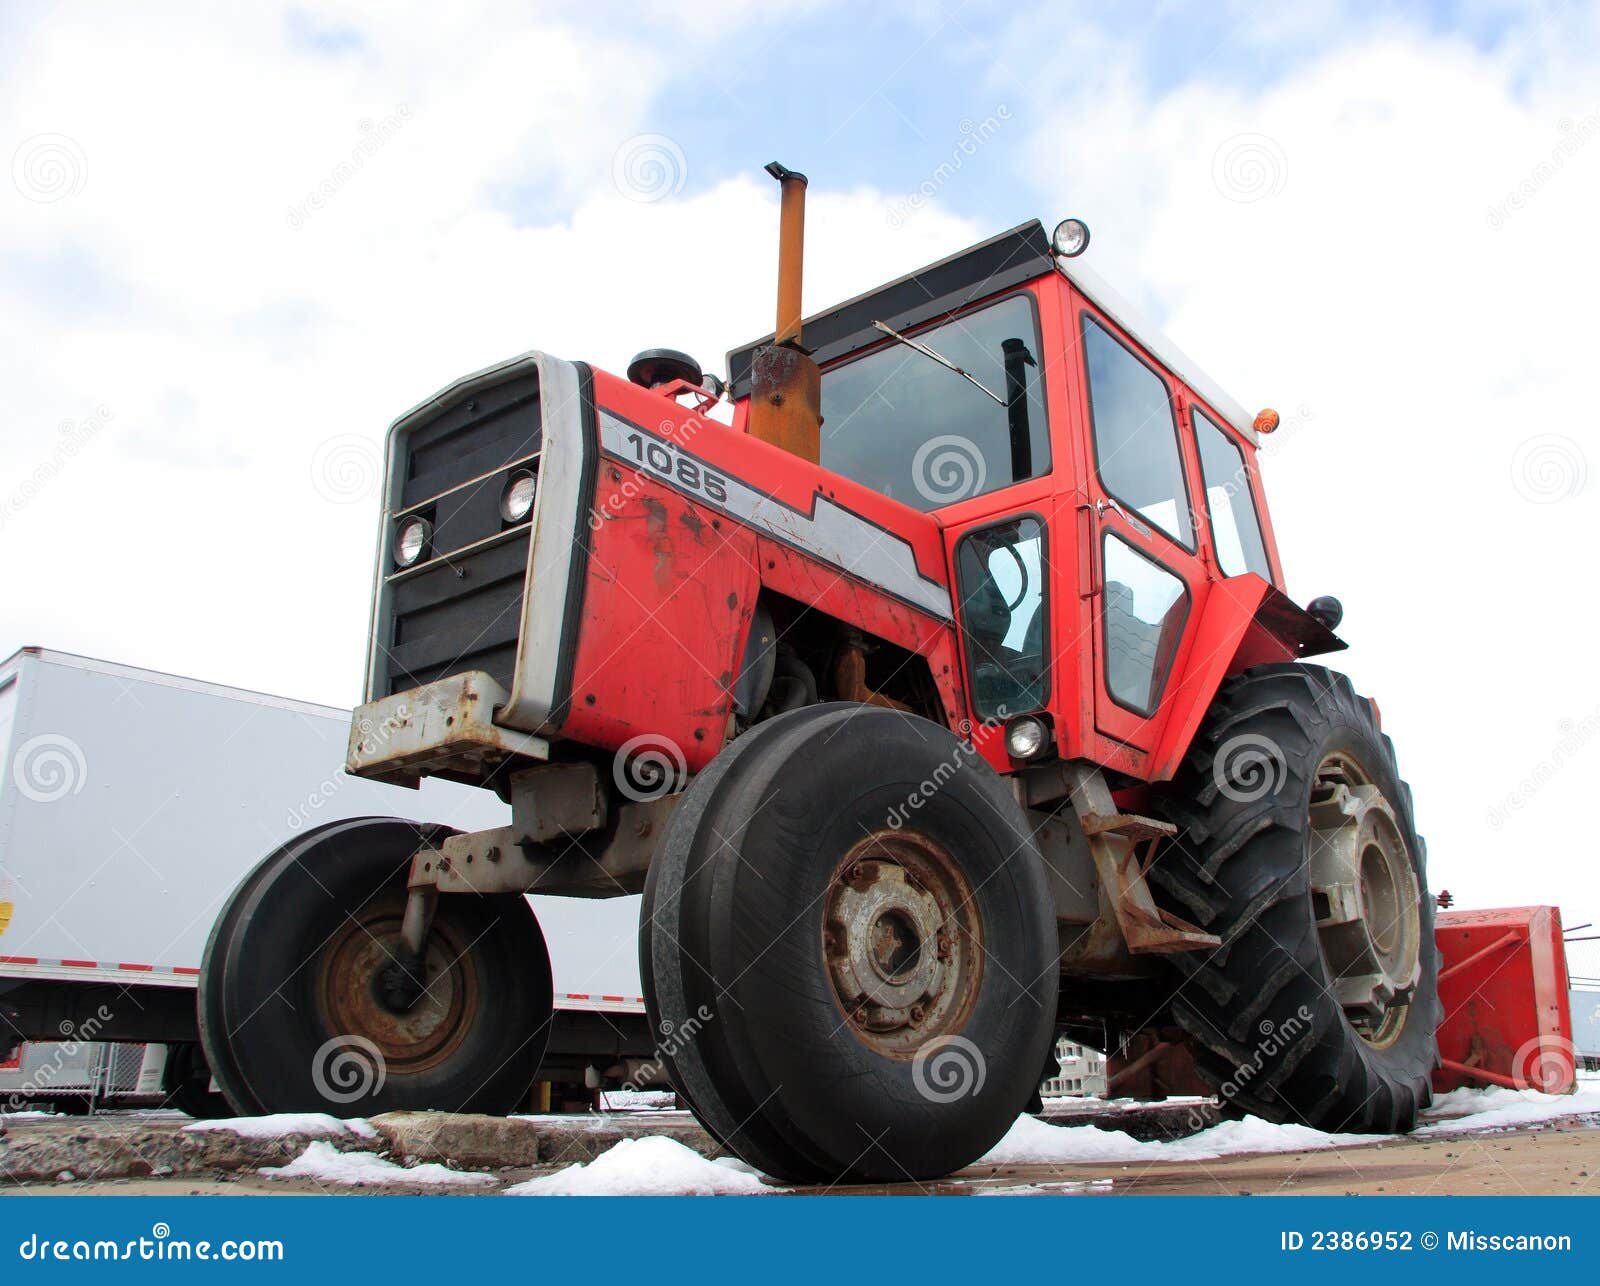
293 1016
848 950
1298 848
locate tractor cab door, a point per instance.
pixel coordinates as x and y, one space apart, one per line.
1145 575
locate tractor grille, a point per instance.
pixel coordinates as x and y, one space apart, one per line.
461 607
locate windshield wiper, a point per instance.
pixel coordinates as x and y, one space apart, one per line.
943 361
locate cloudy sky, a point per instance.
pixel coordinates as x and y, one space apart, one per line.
237 241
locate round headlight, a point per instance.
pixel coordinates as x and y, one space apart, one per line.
1070 239
412 541
1026 737
516 501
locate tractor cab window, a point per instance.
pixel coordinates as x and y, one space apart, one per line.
906 425
1000 577
1234 524
1135 434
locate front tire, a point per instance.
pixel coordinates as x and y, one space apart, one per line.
848 949
1297 847
293 1016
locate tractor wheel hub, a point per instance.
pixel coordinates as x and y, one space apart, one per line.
1367 900
902 941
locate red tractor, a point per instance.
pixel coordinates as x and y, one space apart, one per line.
934 680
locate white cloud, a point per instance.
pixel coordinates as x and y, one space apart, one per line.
232 349
1369 284
222 522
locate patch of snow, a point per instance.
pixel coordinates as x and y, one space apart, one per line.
654 1166
324 1163
1033 1142
1067 1188
1499 1108
311 1124
638 1101
31 1114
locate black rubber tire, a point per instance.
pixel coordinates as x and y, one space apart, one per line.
1238 869
266 1033
735 979
187 1083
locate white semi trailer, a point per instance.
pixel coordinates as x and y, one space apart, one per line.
132 803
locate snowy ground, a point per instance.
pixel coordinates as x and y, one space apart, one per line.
1035 1157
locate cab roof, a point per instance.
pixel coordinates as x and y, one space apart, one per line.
948 286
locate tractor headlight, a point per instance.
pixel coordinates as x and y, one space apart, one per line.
1070 239
1027 737
516 501
411 542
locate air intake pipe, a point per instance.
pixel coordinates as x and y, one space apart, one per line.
786 385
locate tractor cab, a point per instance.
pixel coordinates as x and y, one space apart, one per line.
1090 485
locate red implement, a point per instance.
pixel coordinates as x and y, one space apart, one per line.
1503 984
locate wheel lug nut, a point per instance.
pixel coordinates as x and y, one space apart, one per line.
916 1015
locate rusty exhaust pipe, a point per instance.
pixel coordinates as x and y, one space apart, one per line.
786 385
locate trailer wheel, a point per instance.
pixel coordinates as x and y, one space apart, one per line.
187 1082
848 950
293 1014
1297 847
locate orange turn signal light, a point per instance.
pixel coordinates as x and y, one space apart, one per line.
1266 421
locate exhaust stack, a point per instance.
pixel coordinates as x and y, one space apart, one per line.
786 385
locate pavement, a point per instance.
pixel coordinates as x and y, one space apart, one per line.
161 1153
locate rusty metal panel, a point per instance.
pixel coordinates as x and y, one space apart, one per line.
443 727
1507 1016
